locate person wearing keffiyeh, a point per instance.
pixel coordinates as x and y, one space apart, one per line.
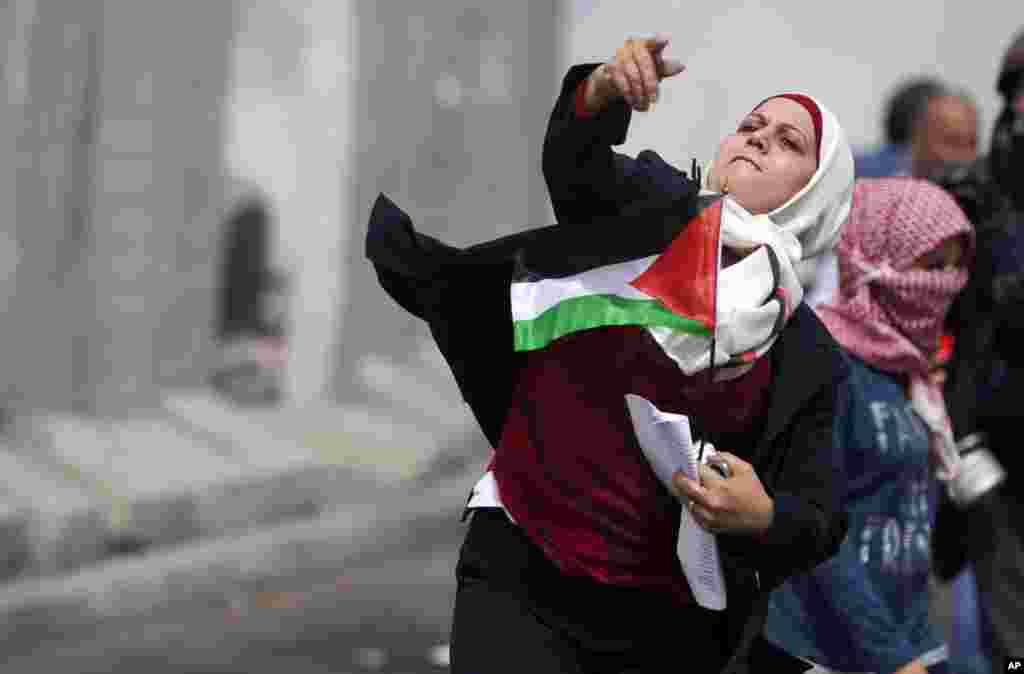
903 259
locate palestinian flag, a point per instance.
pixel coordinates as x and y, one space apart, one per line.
662 276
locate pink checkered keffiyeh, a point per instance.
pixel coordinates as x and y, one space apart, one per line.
887 313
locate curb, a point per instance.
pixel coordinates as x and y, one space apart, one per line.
82 490
216 572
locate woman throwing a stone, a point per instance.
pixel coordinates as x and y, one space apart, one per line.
679 291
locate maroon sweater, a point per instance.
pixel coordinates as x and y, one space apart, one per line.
569 468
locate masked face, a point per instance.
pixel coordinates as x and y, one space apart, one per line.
770 157
917 301
903 260
918 298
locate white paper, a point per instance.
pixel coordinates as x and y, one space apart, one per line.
668 445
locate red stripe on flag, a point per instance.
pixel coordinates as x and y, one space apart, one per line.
685 276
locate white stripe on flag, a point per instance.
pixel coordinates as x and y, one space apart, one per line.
532 298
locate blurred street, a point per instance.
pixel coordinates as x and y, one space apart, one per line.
323 595
383 623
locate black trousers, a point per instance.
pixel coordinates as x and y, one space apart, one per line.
516 613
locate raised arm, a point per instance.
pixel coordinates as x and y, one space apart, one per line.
586 179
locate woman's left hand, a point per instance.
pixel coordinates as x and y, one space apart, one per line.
737 504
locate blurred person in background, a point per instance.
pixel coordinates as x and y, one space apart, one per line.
991 192
939 128
1007 153
251 313
946 132
978 531
570 562
902 260
902 110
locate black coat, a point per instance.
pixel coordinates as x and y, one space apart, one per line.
984 394
463 295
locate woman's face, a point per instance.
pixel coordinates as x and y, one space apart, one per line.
770 158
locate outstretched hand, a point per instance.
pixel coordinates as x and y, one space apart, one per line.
737 504
633 74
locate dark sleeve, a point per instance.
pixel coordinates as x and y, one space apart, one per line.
949 554
810 521
586 179
449 288
1007 292
407 262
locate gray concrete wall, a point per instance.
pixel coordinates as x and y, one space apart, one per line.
450 119
46 129
290 132
159 181
114 129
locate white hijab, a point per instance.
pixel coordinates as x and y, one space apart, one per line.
758 294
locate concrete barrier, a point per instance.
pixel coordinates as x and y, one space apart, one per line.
50 524
216 571
87 488
15 544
